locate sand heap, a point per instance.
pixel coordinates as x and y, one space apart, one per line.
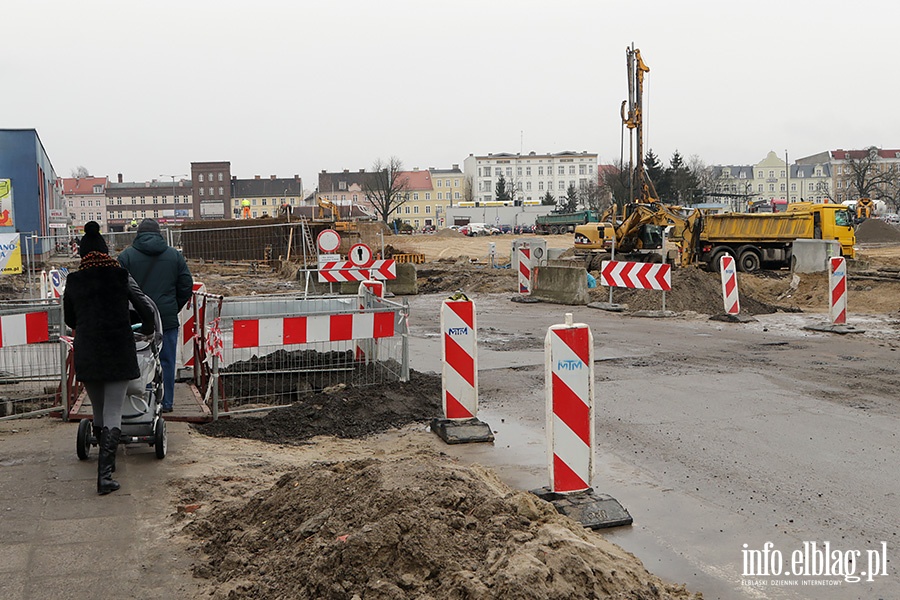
876 231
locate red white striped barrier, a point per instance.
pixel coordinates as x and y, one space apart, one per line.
837 290
459 374
366 349
26 328
646 276
569 376
188 327
287 331
524 258
340 271
729 285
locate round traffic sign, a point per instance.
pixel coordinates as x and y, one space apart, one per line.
328 240
360 255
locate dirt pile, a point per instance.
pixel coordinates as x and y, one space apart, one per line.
414 527
449 275
692 290
876 231
448 233
347 412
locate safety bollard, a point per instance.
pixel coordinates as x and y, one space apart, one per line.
459 375
569 389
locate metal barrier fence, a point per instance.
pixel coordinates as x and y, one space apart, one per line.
255 353
242 242
31 356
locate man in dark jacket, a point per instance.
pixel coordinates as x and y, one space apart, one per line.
163 274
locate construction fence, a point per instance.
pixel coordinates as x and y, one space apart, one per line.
32 350
255 353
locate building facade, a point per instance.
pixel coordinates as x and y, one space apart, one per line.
169 202
266 196
771 180
85 200
531 176
211 189
34 191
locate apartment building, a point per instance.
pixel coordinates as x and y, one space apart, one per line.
85 200
169 202
266 196
211 187
531 175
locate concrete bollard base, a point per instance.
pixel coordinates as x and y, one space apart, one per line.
591 509
841 329
525 299
654 314
466 431
608 306
738 318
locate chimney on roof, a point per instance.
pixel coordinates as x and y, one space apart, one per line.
456 165
296 177
362 170
234 177
120 178
415 168
256 177
271 176
346 170
324 171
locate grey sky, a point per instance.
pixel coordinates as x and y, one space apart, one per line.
288 87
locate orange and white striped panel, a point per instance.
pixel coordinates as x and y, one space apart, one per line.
729 285
26 328
459 374
837 288
289 331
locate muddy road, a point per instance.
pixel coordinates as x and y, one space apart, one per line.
712 435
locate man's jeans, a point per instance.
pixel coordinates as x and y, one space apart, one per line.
167 359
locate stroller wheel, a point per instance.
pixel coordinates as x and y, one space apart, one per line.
83 448
160 440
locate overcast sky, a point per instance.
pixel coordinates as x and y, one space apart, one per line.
295 87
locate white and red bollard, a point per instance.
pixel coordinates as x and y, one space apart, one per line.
837 290
569 387
459 375
188 328
730 294
524 260
366 349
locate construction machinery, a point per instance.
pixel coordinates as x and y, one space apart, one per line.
563 222
865 209
334 218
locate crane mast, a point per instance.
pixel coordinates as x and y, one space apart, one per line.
642 190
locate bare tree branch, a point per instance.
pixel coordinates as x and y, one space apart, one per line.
386 187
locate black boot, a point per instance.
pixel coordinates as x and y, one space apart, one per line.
97 438
109 441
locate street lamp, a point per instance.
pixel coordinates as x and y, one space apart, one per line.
173 188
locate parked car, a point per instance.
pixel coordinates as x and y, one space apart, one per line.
464 230
473 229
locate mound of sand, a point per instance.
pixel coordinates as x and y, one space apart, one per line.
876 231
450 233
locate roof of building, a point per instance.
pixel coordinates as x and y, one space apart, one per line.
860 154
83 186
276 188
331 182
416 180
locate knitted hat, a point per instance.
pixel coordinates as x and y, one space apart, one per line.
92 241
148 225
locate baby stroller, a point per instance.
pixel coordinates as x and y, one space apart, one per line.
142 422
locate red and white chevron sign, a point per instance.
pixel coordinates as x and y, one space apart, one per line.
645 276
730 294
339 271
459 375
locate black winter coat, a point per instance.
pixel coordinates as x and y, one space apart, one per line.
95 305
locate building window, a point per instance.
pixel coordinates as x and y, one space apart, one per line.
518 171
527 186
406 209
210 177
581 169
438 182
221 191
428 195
447 183
540 186
416 209
211 192
440 195
562 184
200 177
220 178
428 208
571 169
528 171
201 191
561 170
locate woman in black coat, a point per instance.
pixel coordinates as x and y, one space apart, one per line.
96 307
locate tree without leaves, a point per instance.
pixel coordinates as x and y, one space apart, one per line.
617 184
867 178
385 187
80 172
594 196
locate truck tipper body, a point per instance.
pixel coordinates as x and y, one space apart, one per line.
563 222
766 239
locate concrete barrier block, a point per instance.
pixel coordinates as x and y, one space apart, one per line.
811 256
406 283
562 285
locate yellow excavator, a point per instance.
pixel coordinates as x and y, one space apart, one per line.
334 218
865 209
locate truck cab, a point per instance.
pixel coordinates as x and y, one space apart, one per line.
832 222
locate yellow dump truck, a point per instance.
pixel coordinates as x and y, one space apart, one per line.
766 239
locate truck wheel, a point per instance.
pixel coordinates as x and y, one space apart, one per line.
748 261
713 265
554 230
